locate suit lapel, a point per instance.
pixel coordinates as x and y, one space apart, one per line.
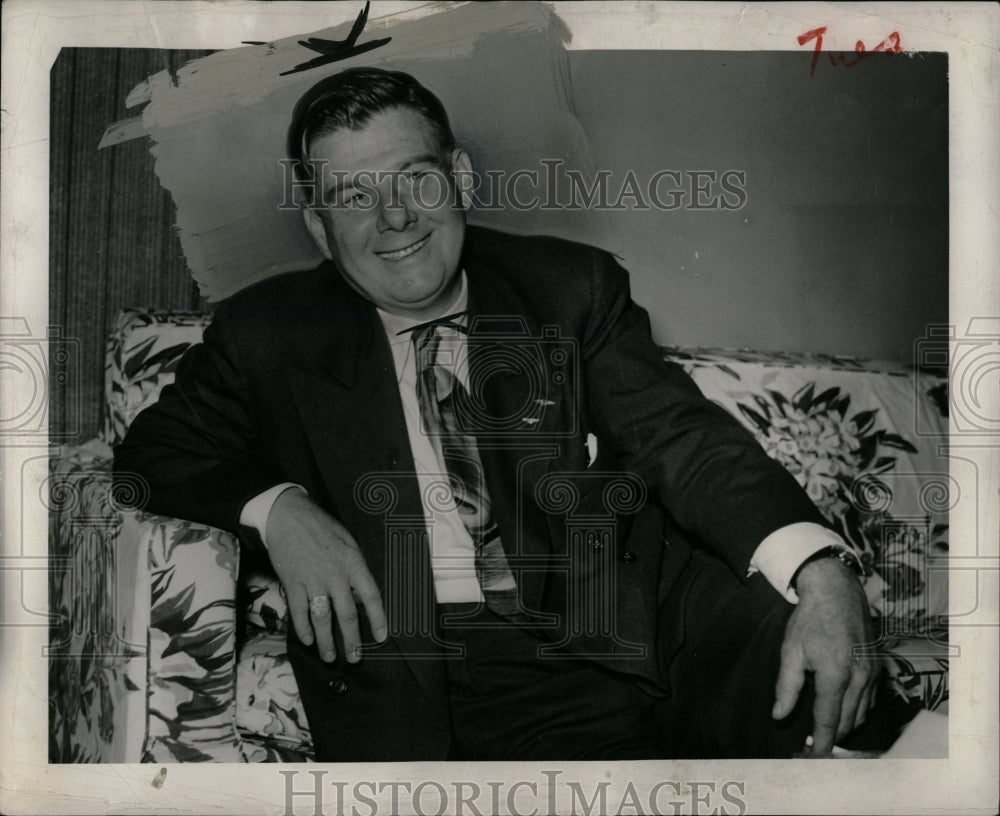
347 395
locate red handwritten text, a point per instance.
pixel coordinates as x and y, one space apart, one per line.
890 45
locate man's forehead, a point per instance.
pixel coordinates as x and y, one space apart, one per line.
387 140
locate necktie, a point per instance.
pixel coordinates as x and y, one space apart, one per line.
440 395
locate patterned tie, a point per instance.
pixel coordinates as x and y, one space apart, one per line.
438 394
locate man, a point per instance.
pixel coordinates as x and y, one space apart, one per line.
427 433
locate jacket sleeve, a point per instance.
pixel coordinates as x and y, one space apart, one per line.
195 453
707 471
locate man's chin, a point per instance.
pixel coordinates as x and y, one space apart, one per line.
421 304
427 308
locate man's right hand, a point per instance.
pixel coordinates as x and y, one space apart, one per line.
316 557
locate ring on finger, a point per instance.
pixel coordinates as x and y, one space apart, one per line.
319 606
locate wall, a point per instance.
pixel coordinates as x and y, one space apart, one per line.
842 245
111 242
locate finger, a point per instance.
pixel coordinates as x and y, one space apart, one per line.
371 599
864 706
851 704
791 678
868 695
321 615
347 620
298 610
826 711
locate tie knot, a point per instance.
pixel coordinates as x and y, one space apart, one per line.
426 340
448 321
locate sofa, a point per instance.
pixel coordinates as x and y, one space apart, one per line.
169 640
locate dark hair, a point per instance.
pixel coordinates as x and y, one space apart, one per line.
349 99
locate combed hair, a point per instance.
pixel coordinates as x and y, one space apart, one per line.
349 99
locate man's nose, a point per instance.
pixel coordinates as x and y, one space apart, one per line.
395 212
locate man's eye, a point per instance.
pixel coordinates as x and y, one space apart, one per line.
429 187
415 176
353 200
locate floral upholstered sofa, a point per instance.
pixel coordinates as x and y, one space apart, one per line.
170 644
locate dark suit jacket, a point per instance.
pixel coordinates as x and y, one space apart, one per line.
295 382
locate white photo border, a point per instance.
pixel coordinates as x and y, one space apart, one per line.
34 32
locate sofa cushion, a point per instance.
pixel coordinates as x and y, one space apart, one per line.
862 439
917 668
262 749
265 608
143 350
268 704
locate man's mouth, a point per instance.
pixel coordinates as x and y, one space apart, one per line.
405 252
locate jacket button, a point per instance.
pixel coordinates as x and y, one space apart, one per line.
338 686
627 557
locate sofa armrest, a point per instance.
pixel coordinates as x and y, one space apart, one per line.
97 645
191 644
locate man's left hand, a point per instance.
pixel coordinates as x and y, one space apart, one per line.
830 621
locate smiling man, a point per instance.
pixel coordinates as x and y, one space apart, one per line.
399 429
401 257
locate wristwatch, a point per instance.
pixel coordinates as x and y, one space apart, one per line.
846 557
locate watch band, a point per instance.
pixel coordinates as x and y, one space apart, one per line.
846 557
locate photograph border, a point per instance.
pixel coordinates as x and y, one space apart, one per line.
34 32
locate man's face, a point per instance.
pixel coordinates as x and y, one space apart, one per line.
389 220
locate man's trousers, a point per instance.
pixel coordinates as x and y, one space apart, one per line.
505 702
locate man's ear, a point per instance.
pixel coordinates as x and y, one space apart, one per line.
461 169
317 229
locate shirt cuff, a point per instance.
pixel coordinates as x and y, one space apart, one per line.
255 512
780 554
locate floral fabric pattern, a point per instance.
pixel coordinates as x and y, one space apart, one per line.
917 669
143 351
848 434
153 674
819 443
192 641
261 749
97 663
267 697
266 609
